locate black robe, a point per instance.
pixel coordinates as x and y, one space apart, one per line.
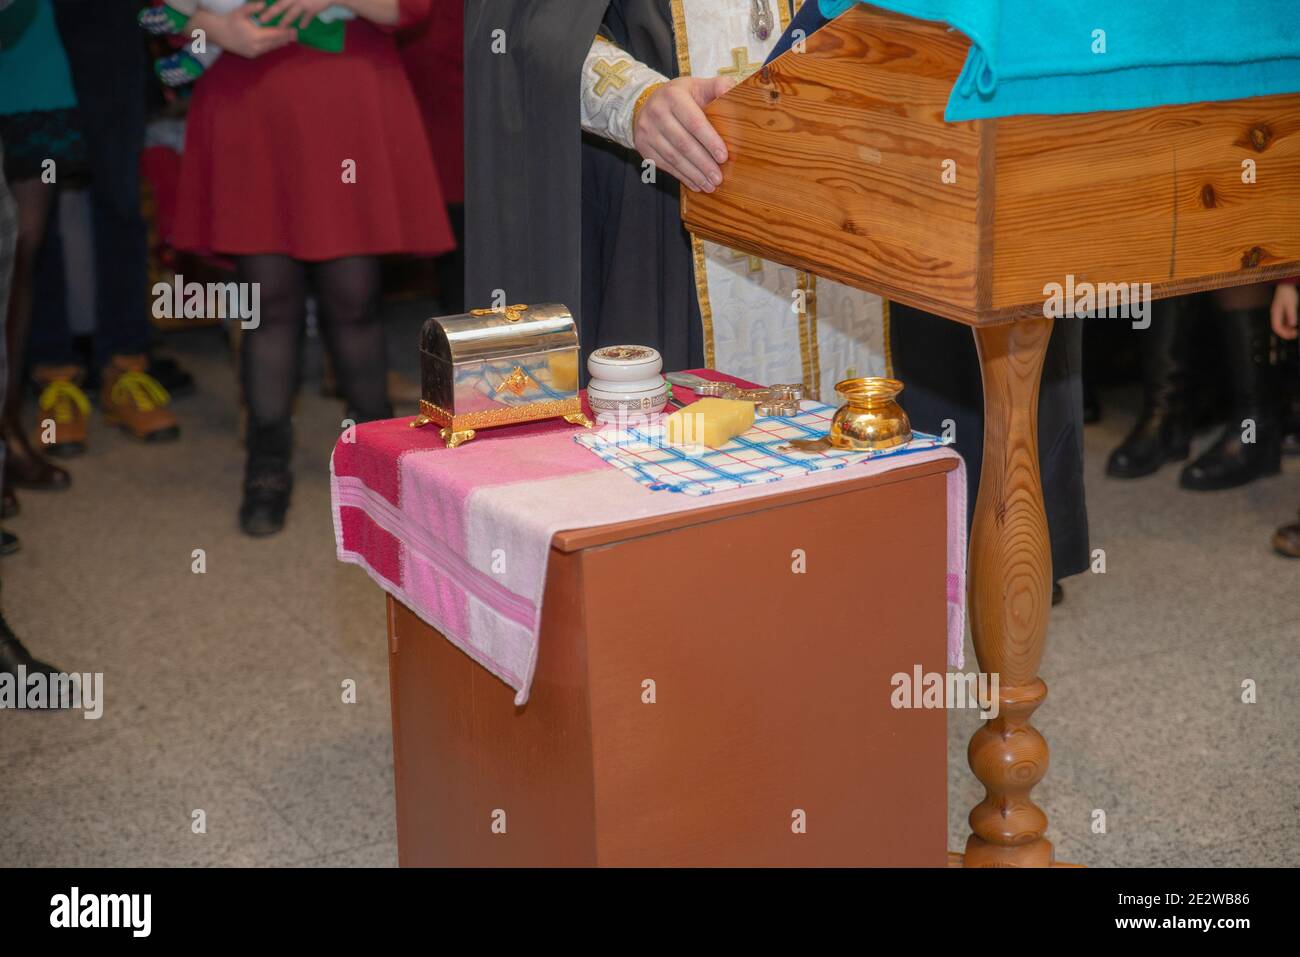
939 366
555 215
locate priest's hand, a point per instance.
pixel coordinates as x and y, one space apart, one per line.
1286 307
672 131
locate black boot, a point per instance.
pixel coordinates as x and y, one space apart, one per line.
267 479
1162 432
13 654
1231 460
1091 402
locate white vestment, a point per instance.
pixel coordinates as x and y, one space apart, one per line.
763 322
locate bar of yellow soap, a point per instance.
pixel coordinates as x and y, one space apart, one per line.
564 370
712 422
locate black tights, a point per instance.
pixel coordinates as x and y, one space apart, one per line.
34 201
346 293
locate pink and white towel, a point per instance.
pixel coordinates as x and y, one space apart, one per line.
462 537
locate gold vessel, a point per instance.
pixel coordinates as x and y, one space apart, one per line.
871 417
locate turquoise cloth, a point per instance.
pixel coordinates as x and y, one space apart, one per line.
1037 56
33 67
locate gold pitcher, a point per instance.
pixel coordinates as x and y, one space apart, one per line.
871 417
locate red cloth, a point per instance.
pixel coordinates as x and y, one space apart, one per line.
265 147
433 53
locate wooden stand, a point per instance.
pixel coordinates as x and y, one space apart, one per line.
766 734
841 164
1010 599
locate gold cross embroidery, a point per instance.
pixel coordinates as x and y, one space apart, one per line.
755 263
611 75
740 65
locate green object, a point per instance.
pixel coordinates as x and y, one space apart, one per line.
178 69
318 34
175 18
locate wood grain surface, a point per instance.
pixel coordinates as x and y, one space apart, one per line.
1148 196
837 162
1010 599
773 695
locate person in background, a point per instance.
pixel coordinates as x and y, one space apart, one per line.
1236 458
306 166
1285 319
589 213
43 148
13 654
184 66
8 242
433 52
1163 431
106 55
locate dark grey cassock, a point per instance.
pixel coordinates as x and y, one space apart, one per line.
556 215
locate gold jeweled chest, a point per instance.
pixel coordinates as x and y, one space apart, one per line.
493 367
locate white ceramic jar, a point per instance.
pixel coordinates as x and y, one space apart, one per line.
625 381
624 363
610 405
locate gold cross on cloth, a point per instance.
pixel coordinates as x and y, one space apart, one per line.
740 65
755 263
611 75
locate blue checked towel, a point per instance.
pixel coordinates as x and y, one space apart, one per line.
755 458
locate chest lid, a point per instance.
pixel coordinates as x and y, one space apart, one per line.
500 333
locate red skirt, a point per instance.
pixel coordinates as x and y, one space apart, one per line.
310 154
432 55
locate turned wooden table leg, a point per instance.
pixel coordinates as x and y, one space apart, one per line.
1010 599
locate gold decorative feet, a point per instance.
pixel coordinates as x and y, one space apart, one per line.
454 439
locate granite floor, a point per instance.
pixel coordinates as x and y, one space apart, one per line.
224 689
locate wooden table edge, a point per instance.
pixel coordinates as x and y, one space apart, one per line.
576 539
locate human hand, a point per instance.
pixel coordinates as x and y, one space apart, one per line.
672 131
297 13
1285 310
239 32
